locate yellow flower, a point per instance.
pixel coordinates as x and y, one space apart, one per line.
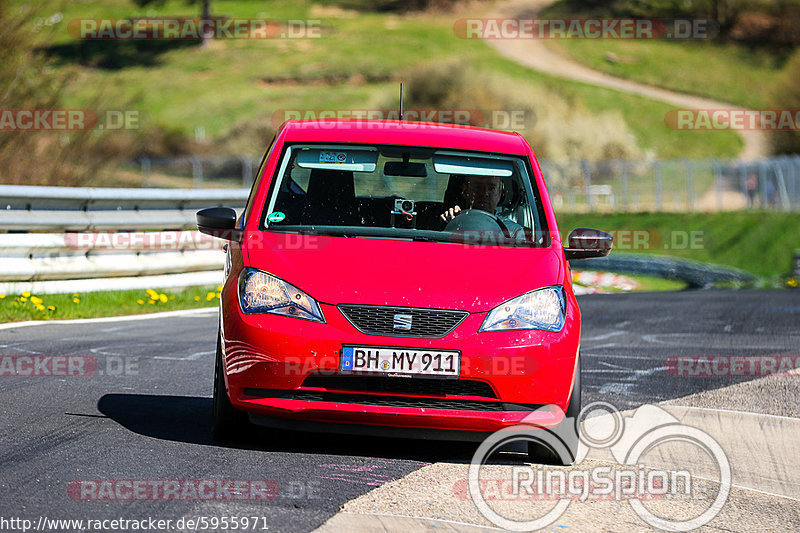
26 294
75 295
36 300
51 307
140 302
196 298
152 294
151 302
76 300
23 299
218 294
792 282
15 304
163 298
210 296
2 296
219 288
39 307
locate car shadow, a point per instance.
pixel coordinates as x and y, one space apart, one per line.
188 419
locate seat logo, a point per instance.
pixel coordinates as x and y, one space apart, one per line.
402 322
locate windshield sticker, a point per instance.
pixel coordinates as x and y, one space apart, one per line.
277 216
333 157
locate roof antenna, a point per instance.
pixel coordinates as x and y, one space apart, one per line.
401 100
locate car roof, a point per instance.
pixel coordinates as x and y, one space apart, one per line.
405 133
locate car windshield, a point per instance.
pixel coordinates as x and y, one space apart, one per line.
406 193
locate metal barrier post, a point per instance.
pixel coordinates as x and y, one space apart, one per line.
197 170
689 185
658 184
587 182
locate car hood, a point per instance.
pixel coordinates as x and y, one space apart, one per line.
337 270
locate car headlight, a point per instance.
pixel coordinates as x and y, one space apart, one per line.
540 309
260 292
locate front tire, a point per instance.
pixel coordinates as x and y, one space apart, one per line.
227 423
566 431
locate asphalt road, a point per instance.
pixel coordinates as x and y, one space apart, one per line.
144 413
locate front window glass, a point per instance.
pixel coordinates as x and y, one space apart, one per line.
406 193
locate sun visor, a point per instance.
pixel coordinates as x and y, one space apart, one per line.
352 160
473 166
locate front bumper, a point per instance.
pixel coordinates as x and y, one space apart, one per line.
268 359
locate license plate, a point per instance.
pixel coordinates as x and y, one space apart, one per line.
412 361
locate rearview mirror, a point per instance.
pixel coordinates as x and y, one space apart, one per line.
585 243
219 222
404 168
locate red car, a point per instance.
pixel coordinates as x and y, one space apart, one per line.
391 277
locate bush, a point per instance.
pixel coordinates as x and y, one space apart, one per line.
755 22
29 82
395 5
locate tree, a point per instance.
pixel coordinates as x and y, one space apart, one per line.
786 95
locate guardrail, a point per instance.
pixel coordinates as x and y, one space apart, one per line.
33 208
697 275
101 243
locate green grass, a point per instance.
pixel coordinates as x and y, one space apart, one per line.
758 242
222 86
16 307
646 283
724 72
656 284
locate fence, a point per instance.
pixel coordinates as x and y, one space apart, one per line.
675 185
651 185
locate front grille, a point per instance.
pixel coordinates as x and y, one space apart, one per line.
393 385
380 320
390 401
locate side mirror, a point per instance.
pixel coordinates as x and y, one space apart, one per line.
584 243
219 222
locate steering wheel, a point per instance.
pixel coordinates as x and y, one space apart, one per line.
472 219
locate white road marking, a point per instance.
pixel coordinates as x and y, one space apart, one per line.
604 336
149 316
192 357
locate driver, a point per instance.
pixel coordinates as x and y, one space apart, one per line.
479 192
483 193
